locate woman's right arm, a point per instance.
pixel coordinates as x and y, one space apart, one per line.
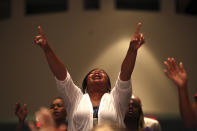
68 90
56 65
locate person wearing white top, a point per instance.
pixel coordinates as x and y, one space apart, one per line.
98 103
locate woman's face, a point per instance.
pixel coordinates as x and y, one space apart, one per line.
57 109
97 78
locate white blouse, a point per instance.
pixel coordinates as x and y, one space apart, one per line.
79 108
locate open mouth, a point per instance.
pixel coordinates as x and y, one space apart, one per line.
97 77
56 113
130 112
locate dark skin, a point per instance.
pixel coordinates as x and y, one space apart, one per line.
99 81
21 113
178 75
59 70
133 114
58 111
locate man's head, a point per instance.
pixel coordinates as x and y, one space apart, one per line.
134 113
134 109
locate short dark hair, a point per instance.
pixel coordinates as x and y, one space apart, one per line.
84 84
58 97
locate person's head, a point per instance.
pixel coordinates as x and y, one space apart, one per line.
96 78
134 112
58 109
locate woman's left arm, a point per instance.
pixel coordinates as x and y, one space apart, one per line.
129 61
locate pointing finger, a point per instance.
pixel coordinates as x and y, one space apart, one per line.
40 31
138 28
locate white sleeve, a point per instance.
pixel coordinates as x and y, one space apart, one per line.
69 91
121 94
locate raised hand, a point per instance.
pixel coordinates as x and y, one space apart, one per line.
130 58
138 38
176 73
21 112
40 39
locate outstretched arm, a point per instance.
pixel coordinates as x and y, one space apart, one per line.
179 76
56 65
21 113
129 61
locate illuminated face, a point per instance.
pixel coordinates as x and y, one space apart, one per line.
57 109
97 78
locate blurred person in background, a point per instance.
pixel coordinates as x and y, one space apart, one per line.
135 120
57 110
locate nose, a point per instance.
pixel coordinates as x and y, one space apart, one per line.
97 73
130 108
55 107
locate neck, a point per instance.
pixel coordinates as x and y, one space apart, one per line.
132 125
95 98
60 122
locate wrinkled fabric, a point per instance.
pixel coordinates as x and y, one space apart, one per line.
79 108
